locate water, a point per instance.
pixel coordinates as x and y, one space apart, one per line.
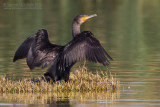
128 30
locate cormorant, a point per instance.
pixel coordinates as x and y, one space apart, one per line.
40 52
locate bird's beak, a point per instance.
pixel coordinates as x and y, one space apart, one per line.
88 17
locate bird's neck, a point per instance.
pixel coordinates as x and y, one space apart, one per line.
75 29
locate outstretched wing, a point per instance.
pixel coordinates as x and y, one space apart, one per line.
23 49
42 52
83 46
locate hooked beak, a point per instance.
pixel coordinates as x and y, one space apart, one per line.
86 17
90 16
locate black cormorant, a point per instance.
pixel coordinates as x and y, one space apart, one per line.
40 52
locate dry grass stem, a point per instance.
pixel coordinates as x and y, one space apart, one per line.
81 80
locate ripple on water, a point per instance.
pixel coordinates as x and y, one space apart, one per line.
10 104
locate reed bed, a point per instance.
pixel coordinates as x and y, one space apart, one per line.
81 80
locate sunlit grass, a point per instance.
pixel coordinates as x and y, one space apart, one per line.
81 80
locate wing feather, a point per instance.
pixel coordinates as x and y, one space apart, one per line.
83 47
42 52
23 49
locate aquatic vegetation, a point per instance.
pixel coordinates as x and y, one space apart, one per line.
81 80
57 98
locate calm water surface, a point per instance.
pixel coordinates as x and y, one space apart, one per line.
128 29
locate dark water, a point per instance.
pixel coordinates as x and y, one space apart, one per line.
128 29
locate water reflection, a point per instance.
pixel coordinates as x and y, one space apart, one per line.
56 99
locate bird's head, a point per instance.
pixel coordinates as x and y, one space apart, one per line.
82 18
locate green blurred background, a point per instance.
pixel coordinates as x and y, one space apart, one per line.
128 29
